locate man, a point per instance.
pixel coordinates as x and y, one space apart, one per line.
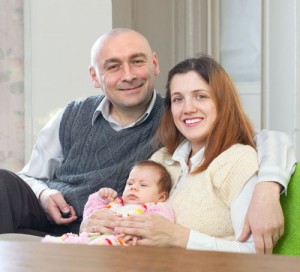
94 142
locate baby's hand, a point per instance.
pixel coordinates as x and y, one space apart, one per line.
107 194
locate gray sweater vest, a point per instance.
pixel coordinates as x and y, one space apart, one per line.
98 156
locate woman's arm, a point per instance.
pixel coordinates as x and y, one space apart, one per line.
238 212
157 231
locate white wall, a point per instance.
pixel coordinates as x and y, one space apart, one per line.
11 85
176 29
240 51
281 68
58 38
56 72
270 93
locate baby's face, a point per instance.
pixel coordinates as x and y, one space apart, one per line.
141 186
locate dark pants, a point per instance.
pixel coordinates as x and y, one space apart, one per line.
21 212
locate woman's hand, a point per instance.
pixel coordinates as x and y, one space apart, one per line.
153 230
100 221
128 239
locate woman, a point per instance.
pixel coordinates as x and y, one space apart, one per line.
209 152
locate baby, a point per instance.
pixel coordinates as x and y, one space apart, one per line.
147 188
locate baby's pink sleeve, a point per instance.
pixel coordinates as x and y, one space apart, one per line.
163 209
94 202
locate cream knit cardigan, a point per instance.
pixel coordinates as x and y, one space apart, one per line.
202 202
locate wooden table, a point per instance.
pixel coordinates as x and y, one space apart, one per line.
35 256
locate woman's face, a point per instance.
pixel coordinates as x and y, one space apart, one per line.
193 109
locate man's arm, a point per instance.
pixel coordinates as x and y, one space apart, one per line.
45 158
264 218
276 156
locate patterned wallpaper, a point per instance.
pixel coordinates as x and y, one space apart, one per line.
11 85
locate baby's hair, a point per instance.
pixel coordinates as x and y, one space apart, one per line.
164 182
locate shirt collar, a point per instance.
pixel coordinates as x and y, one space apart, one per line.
103 109
182 154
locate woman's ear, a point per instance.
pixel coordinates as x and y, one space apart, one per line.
94 77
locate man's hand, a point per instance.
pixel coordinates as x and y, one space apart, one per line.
100 221
264 217
54 204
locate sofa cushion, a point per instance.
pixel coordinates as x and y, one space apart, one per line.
289 243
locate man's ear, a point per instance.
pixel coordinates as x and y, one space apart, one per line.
163 196
156 64
94 77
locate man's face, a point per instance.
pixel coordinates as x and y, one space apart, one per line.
126 69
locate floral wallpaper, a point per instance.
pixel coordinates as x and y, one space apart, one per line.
11 85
